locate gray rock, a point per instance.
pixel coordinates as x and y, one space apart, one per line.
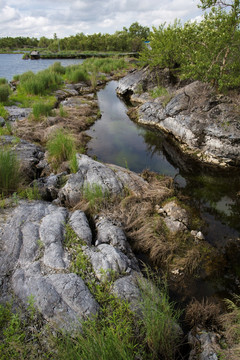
80 225
49 186
203 345
112 180
34 263
126 288
2 121
176 218
205 126
107 260
28 154
17 113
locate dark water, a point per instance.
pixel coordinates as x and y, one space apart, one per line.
116 139
13 64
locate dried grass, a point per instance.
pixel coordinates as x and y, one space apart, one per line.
205 314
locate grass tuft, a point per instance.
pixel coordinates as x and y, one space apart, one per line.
10 175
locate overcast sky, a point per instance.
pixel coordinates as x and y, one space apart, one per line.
36 18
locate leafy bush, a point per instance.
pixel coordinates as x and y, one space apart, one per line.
4 92
10 175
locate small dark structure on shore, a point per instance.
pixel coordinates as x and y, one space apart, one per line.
34 55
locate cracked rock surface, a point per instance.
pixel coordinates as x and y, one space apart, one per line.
35 262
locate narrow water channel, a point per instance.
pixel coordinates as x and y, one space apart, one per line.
116 139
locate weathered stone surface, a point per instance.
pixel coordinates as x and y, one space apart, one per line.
2 121
205 125
92 173
29 154
49 186
138 81
126 288
80 225
17 113
34 263
203 345
106 259
175 217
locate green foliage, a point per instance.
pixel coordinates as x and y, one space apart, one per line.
95 195
62 111
30 193
41 109
57 68
206 50
61 147
159 91
3 81
3 112
75 74
4 92
74 164
41 83
10 175
159 319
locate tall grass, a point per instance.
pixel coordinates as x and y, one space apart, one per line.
10 175
95 196
159 319
3 81
57 68
3 112
75 74
61 147
41 83
41 109
4 92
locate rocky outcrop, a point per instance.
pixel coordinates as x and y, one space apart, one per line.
92 174
204 125
17 113
204 345
35 263
29 155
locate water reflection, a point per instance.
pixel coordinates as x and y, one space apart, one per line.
116 139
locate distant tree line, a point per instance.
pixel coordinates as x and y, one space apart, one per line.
128 39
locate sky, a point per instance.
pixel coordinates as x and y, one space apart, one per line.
36 18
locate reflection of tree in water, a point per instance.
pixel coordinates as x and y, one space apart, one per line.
209 191
153 142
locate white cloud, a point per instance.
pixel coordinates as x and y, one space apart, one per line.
45 17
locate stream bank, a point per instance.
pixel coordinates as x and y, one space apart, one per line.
138 210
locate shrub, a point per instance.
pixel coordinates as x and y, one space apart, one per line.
4 92
41 109
9 172
61 147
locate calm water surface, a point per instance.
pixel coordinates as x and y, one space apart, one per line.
13 64
116 139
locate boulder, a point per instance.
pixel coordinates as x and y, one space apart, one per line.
17 113
28 154
91 174
203 345
33 262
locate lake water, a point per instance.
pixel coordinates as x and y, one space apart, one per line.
13 64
